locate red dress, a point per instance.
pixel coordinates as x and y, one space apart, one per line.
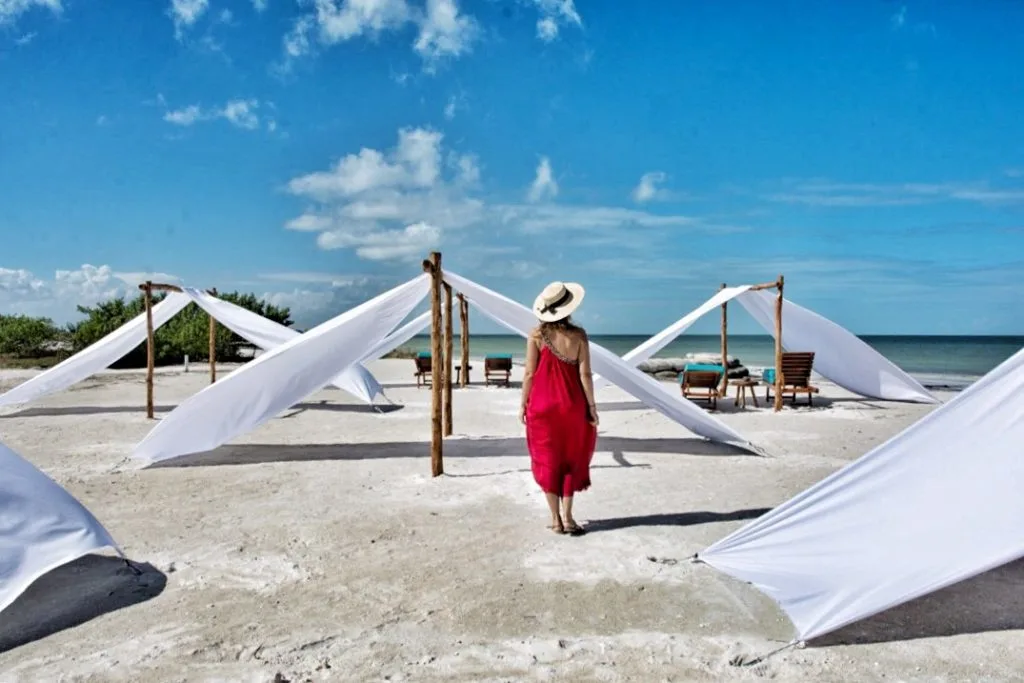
559 435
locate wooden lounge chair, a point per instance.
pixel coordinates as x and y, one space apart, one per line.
498 369
796 376
702 385
424 369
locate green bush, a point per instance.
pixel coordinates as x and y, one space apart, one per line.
187 333
24 337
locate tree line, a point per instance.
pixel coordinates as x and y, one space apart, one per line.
25 337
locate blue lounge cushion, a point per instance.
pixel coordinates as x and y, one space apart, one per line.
500 355
768 376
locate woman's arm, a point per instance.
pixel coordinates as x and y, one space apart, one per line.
532 356
587 377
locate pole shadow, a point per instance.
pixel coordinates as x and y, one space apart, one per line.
75 593
674 519
248 454
992 601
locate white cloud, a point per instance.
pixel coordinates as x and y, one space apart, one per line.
553 14
259 5
241 113
443 31
544 185
185 13
22 291
21 41
10 10
185 116
831 194
397 204
648 188
547 29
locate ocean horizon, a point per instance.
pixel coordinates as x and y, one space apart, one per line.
937 361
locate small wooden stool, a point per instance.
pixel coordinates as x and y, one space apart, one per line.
743 387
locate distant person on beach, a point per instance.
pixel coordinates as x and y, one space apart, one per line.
558 405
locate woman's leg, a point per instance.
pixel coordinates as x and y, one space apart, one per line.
556 519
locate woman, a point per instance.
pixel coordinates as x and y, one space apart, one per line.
558 403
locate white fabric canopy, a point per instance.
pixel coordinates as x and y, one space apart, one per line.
399 337
98 356
267 334
521 320
280 378
659 341
839 355
42 526
936 504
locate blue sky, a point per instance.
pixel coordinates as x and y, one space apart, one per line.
315 150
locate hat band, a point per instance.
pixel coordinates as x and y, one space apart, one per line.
561 301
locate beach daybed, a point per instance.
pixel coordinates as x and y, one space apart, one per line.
498 368
424 368
701 381
796 376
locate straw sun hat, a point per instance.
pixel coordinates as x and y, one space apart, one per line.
558 300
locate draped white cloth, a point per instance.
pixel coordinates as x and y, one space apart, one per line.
838 354
267 334
659 341
649 391
279 378
936 504
98 356
42 526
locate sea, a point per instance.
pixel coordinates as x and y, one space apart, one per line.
938 362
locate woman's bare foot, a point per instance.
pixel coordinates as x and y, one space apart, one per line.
557 526
572 528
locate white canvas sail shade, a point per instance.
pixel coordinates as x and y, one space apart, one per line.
280 378
268 334
98 356
42 526
934 505
649 391
839 355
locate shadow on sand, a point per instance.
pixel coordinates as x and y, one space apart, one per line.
674 519
141 408
993 601
74 593
247 454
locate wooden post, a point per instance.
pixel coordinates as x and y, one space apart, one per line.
433 266
464 337
725 347
778 346
150 357
213 343
449 342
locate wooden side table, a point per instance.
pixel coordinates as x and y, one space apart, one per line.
743 387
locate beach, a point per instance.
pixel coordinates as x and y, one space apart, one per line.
318 547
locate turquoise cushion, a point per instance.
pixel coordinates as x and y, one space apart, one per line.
423 354
700 367
500 355
768 376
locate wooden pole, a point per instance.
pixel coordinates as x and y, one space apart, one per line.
778 346
150 357
449 342
464 337
433 266
725 346
213 343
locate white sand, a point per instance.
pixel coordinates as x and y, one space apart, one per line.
319 548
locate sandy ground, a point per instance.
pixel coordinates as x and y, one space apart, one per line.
319 548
